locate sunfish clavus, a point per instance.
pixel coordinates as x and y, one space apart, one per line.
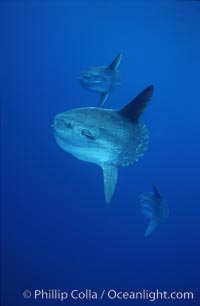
102 79
106 137
154 207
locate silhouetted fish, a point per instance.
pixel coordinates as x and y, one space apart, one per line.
102 79
154 207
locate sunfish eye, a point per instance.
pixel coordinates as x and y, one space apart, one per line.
68 125
88 134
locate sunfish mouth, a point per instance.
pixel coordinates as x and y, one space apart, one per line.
58 124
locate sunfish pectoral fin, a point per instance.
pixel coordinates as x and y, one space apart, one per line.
115 64
104 97
110 174
150 228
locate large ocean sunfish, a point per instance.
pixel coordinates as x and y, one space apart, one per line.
102 79
154 207
106 137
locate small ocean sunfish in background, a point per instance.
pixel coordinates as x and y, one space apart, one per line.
102 79
154 207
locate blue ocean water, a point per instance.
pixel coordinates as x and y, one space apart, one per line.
57 230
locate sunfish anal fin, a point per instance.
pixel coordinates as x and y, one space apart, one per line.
104 97
150 228
110 174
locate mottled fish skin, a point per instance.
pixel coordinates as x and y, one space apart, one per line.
108 138
102 79
154 207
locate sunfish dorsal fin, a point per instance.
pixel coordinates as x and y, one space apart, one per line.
110 174
156 191
115 64
150 228
136 107
104 97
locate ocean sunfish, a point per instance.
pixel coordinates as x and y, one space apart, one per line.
106 137
154 207
102 79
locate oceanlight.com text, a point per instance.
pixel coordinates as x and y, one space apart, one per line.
111 294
